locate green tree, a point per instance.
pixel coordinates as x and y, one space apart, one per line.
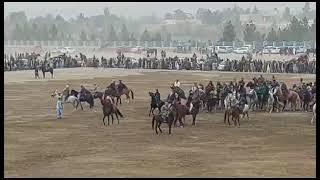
83 36
124 35
272 35
255 10
229 34
53 32
286 14
145 36
112 34
250 33
157 36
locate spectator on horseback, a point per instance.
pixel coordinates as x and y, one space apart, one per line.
157 96
177 83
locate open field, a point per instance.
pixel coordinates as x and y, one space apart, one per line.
36 144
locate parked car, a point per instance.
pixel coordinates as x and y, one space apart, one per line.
275 50
267 49
242 50
301 49
223 49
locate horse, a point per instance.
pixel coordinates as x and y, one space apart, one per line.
125 91
305 97
292 97
314 110
158 119
108 110
182 111
280 101
254 102
270 103
72 99
234 112
211 100
86 98
153 104
44 70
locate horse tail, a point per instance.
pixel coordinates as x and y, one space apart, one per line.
153 119
119 113
131 93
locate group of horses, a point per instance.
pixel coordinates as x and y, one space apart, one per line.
109 105
229 101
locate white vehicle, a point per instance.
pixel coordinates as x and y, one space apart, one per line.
222 66
223 49
136 49
242 50
69 50
301 49
267 49
275 50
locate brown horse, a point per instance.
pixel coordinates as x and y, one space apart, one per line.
109 109
291 97
158 119
125 91
182 111
234 112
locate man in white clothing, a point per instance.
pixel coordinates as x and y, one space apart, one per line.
177 83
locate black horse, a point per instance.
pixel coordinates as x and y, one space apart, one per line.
84 98
153 104
157 120
44 70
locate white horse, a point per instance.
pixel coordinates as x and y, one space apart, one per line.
314 113
72 100
253 99
270 101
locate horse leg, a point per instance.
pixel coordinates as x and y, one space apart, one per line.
159 127
108 120
194 119
150 111
153 110
157 122
117 117
180 121
170 124
103 120
238 118
112 118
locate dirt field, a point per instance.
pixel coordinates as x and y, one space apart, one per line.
36 144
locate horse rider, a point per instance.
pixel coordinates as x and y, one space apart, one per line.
121 86
66 91
189 101
209 88
165 110
112 86
177 83
95 87
157 97
194 87
83 92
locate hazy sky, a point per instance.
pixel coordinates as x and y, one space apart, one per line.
133 9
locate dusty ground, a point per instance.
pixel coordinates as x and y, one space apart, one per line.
36 144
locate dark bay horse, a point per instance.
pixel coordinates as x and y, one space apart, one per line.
234 112
118 94
182 111
153 104
44 70
108 110
157 120
86 98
